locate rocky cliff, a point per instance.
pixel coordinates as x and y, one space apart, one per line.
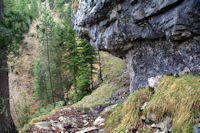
156 37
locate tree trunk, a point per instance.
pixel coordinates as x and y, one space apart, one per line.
6 122
91 76
74 77
1 10
61 84
100 69
49 69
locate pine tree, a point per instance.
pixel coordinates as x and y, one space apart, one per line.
1 10
80 57
41 91
58 65
46 34
100 68
62 55
89 57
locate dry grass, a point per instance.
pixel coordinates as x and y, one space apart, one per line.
175 97
178 98
100 96
114 119
127 115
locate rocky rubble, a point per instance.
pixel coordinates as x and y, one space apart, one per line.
156 37
71 120
79 120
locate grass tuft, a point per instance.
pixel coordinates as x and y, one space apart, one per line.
127 115
178 98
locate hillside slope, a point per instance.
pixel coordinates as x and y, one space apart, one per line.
21 73
115 77
172 107
21 77
113 90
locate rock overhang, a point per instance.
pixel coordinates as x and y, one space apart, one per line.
137 30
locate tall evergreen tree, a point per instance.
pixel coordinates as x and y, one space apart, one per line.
100 67
46 33
62 53
89 59
1 10
81 58
40 89
59 63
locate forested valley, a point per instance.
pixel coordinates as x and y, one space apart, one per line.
64 69
99 66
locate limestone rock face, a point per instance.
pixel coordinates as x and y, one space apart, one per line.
157 37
